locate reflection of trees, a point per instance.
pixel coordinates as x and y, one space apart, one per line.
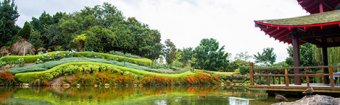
5 93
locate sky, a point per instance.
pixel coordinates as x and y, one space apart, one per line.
186 22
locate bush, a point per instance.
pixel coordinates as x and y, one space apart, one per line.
6 78
85 67
244 70
62 54
51 64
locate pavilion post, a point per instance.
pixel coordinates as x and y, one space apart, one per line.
296 57
325 62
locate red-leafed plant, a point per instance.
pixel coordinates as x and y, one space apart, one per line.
6 77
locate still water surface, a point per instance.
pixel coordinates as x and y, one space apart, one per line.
134 96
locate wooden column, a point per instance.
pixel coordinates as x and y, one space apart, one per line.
307 76
296 57
251 74
325 63
331 77
286 77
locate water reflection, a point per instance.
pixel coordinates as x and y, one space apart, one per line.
238 101
198 95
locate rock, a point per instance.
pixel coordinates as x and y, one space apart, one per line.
308 91
313 100
280 98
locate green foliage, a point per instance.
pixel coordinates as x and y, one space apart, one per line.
186 55
80 41
126 54
51 64
244 70
21 62
8 16
169 51
86 67
26 31
105 27
99 39
267 57
210 56
307 55
61 54
35 39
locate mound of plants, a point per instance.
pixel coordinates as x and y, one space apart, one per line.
65 54
51 64
121 75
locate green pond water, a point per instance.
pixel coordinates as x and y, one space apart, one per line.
197 95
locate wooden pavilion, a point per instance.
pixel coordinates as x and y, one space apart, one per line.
321 27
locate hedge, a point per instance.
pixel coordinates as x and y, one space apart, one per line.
62 54
87 67
51 64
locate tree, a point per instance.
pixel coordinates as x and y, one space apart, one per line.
244 56
307 55
267 57
186 55
80 41
9 15
99 39
210 56
169 51
35 39
26 31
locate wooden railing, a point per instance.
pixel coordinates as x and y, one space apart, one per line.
285 76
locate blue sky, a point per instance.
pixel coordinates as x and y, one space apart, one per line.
186 22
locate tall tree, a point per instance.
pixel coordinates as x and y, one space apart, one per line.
169 51
267 57
9 15
186 55
26 31
210 56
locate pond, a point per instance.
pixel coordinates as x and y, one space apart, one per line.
197 95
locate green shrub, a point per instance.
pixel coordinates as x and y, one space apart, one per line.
50 64
85 67
21 62
244 70
62 54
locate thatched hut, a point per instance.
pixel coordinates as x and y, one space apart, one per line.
21 47
4 51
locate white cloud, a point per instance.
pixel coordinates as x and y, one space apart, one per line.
186 22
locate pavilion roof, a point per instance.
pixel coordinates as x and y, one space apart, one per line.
312 6
281 28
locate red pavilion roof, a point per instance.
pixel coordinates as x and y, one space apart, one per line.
313 6
280 29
